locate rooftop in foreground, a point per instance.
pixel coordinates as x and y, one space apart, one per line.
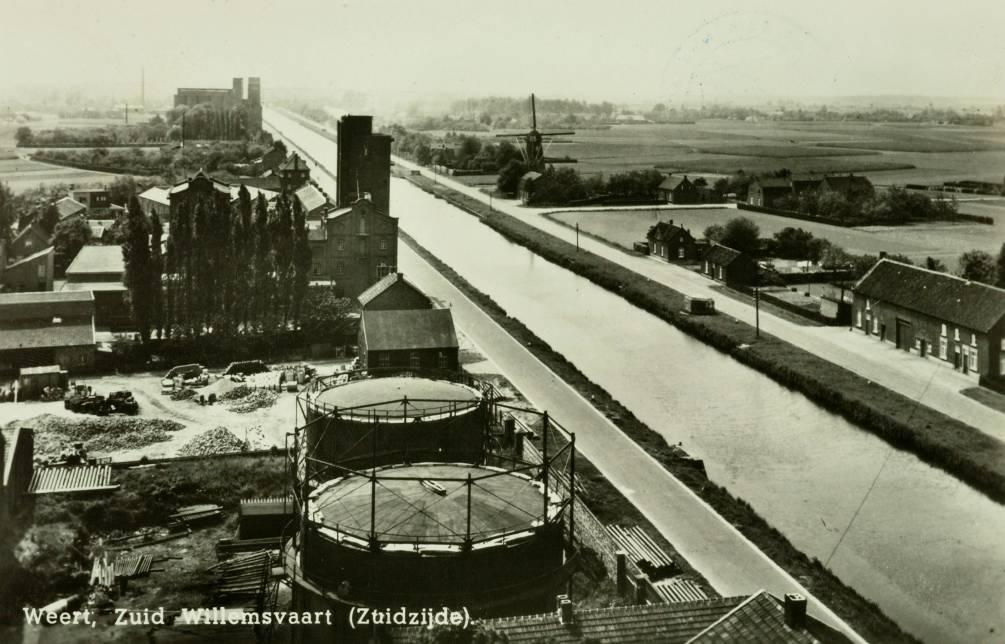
401 396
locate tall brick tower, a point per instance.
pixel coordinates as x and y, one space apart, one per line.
363 164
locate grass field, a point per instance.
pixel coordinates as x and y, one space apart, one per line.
21 174
946 241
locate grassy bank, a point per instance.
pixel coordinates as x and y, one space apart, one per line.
862 614
944 442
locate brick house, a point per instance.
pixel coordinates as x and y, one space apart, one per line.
672 243
733 268
393 292
679 190
28 241
409 339
46 328
31 273
100 270
933 315
850 185
355 247
767 192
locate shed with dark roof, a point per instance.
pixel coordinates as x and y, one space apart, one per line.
46 329
729 266
769 191
679 190
934 315
393 292
409 339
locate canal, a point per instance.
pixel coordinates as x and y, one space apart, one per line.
923 546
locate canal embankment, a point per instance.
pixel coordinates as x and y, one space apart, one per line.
941 441
863 615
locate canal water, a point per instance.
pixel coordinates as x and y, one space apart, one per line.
924 547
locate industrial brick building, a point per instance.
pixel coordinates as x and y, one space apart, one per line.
48 328
355 247
409 339
934 315
99 270
363 163
224 99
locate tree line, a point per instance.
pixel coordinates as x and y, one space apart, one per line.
225 269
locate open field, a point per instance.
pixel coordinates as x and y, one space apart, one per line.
23 174
887 153
946 241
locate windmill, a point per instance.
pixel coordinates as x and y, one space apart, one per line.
534 143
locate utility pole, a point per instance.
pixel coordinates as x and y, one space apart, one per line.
577 236
757 312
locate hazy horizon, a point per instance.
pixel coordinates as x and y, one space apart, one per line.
642 53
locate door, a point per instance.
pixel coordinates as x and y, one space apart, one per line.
903 335
956 358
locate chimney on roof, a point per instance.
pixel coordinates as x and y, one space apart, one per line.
882 254
565 615
795 611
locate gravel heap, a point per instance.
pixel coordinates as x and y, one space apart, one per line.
54 434
183 394
238 392
256 399
218 440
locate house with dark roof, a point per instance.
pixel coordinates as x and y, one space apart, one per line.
31 273
679 190
354 247
393 293
409 339
28 241
525 188
852 186
155 200
46 328
767 192
17 448
100 270
933 315
68 207
733 268
94 199
293 172
672 243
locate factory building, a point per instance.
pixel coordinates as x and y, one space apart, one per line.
363 163
225 99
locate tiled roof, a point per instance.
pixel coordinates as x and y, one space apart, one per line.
68 206
217 185
409 329
758 619
97 259
722 255
385 283
293 162
969 304
254 191
44 305
779 184
310 197
32 228
671 182
652 623
32 257
77 333
157 195
664 231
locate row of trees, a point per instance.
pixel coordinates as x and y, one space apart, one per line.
561 186
154 131
742 234
226 270
204 121
893 206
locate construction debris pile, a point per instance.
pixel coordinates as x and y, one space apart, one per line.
218 440
238 392
182 394
98 434
254 400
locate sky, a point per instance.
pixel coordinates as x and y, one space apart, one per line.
625 52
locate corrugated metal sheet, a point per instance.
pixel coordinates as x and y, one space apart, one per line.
679 590
85 478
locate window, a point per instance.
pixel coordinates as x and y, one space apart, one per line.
680 252
943 329
384 359
720 272
956 335
341 244
973 340
339 268
441 360
973 360
858 319
41 271
362 247
384 269
362 225
663 251
944 348
383 243
317 268
707 272
875 326
414 362
868 306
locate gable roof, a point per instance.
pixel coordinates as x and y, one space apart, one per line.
382 285
156 194
44 305
672 183
409 329
310 197
665 231
216 184
760 618
97 259
293 163
723 255
776 183
75 333
33 228
30 258
965 303
68 206
847 182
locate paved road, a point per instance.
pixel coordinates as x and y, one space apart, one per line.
731 563
932 382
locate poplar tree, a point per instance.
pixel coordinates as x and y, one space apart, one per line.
301 260
156 274
262 248
281 229
136 256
